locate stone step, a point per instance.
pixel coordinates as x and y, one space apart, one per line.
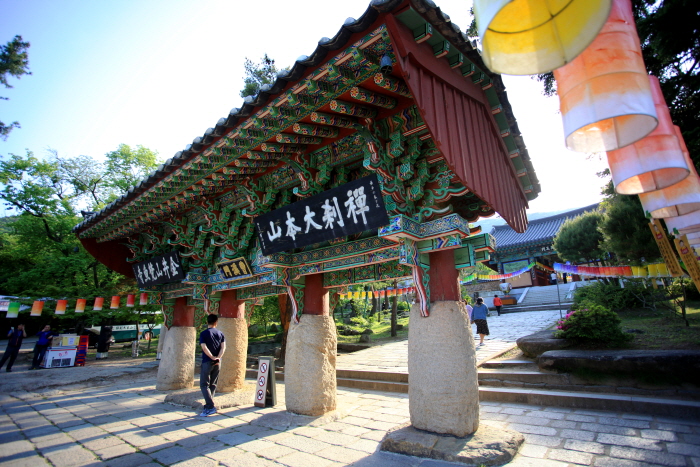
521 378
510 364
590 401
393 377
372 384
541 307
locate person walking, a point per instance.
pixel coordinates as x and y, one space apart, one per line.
498 304
41 345
13 345
479 314
213 346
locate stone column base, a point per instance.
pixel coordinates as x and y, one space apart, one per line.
233 365
443 389
176 369
309 373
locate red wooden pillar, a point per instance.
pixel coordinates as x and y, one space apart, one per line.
230 306
183 315
316 297
444 277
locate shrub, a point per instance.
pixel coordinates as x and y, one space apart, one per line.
592 323
359 321
611 295
402 306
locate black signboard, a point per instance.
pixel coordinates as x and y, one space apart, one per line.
159 270
235 268
345 210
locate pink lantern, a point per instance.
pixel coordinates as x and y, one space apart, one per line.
685 223
653 163
678 199
604 93
61 307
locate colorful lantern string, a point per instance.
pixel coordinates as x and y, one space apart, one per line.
528 37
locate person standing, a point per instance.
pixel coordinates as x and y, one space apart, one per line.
41 345
479 314
213 346
498 304
13 346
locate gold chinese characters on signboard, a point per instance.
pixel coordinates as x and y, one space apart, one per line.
235 268
674 268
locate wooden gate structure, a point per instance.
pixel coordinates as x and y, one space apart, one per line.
398 97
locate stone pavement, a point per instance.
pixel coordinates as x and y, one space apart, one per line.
504 330
127 424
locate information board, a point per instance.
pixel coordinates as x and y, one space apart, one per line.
159 270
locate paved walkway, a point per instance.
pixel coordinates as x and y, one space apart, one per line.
127 424
504 329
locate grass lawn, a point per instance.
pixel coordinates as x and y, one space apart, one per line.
662 330
382 332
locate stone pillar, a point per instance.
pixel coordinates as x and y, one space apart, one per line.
443 390
309 373
176 369
161 341
233 324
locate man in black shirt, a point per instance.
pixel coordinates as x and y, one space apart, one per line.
213 347
13 346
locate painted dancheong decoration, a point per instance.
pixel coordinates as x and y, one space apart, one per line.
348 166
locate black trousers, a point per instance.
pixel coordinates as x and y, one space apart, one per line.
11 352
208 378
39 352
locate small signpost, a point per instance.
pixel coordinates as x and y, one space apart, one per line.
265 395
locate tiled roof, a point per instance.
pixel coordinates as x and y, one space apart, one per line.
538 231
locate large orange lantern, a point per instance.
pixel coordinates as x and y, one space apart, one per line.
604 93
37 308
80 305
61 307
528 37
678 199
653 163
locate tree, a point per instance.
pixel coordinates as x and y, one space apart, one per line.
14 62
625 229
127 167
579 239
257 74
669 32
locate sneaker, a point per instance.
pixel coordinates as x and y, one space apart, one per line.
213 411
205 412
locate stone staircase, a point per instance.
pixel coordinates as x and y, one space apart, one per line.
521 381
544 298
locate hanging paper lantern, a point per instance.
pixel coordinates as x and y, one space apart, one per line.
604 93
382 293
80 305
115 303
653 163
143 300
130 300
376 294
662 270
37 308
685 223
99 301
678 199
13 310
529 37
61 307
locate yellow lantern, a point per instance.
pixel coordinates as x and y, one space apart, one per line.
678 199
528 37
604 93
653 163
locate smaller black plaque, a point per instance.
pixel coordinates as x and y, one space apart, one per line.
235 268
159 270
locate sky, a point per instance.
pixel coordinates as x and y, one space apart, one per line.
158 73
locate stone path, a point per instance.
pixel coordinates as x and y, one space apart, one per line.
129 425
504 329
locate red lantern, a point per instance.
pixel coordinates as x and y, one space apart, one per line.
80 305
143 299
61 307
99 301
130 300
37 308
114 304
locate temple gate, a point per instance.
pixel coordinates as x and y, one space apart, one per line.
395 114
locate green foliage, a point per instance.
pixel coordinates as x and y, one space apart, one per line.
611 295
402 306
579 238
257 74
625 230
14 61
592 323
266 313
126 167
360 322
